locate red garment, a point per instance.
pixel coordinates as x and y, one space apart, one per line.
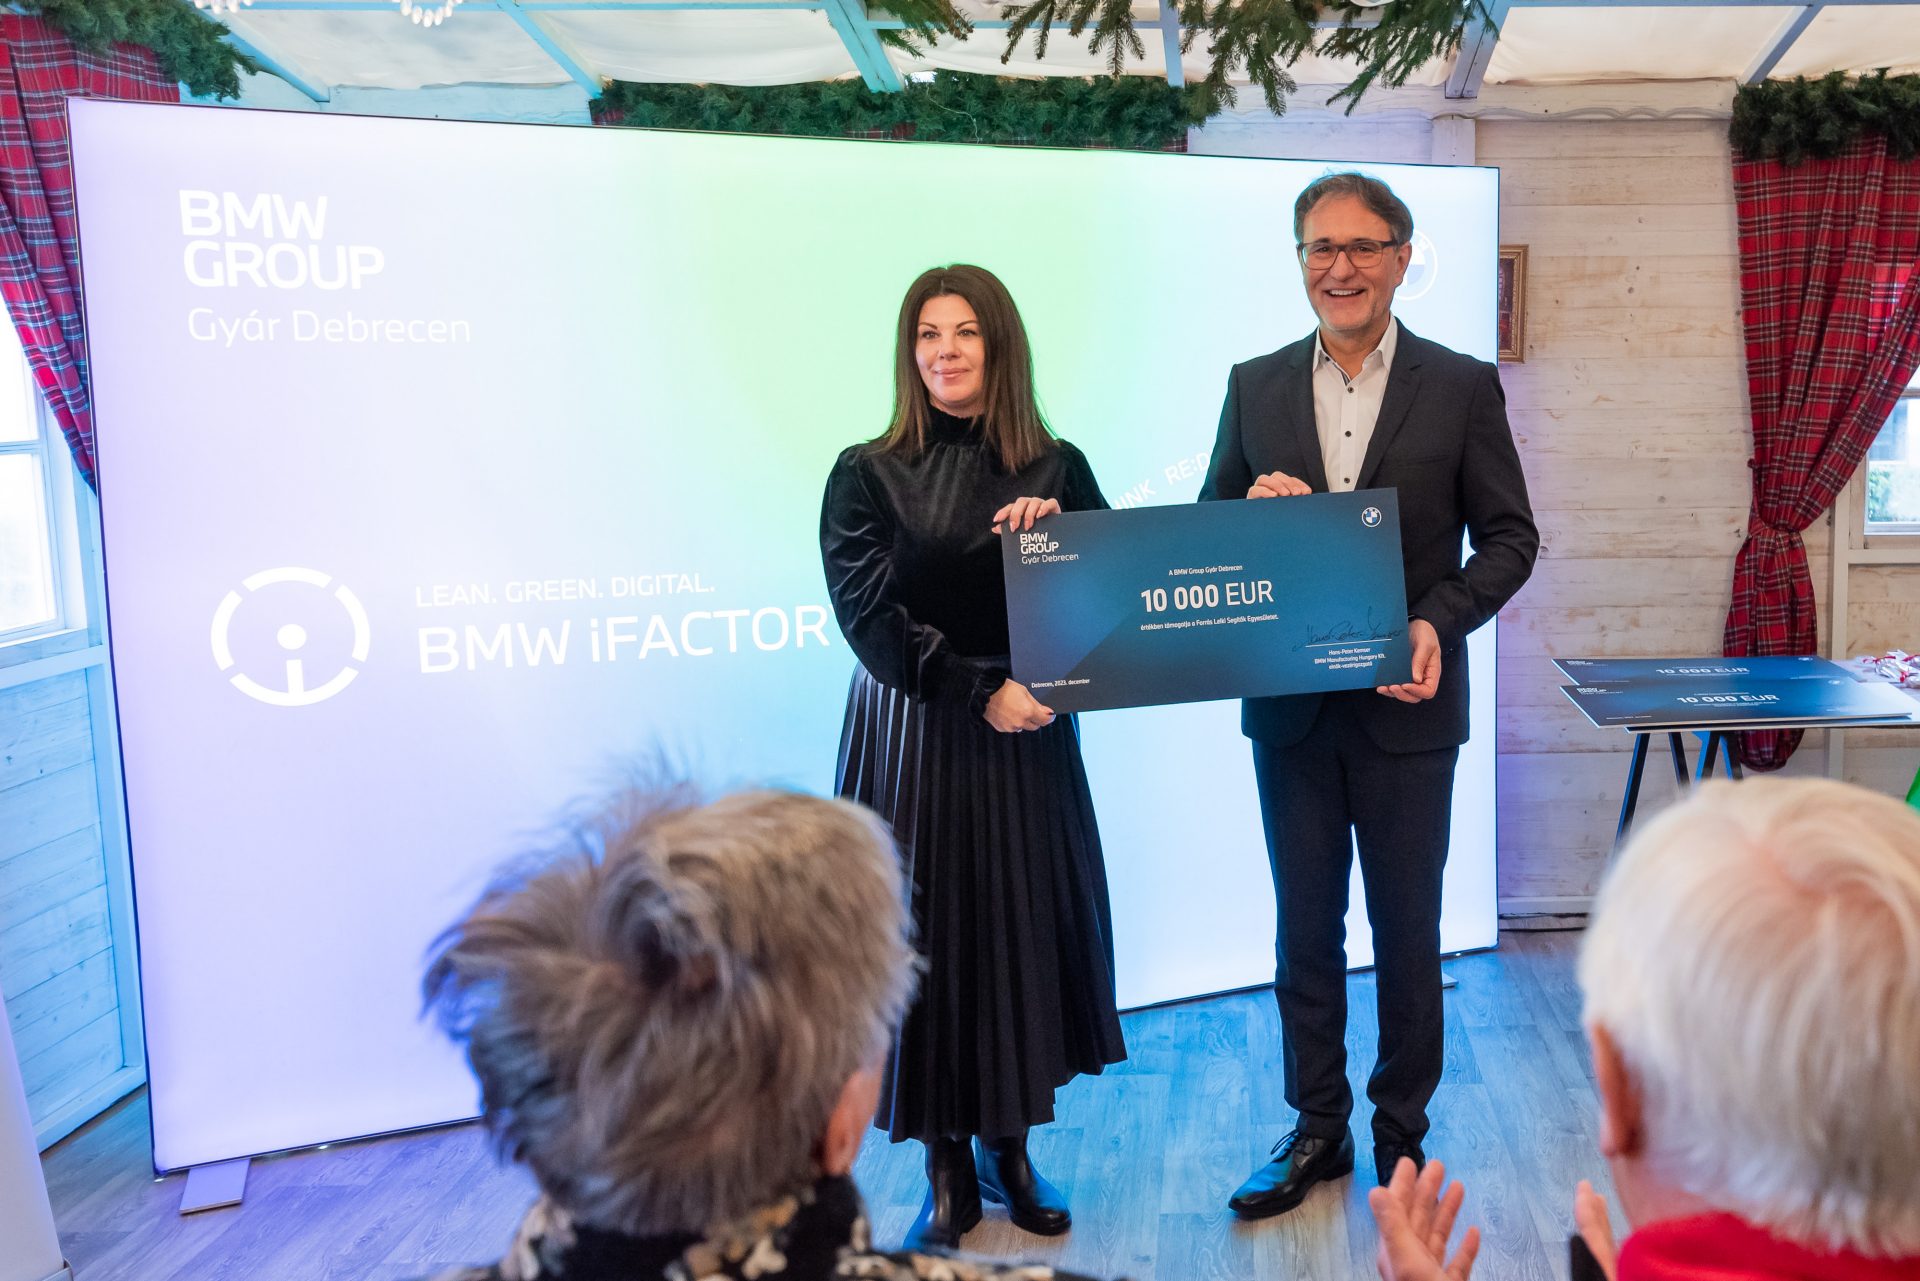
1720 1247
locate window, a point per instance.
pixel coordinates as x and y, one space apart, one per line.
1893 469
36 505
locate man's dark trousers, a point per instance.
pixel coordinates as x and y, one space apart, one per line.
1400 806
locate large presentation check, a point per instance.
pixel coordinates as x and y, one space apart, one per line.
1209 600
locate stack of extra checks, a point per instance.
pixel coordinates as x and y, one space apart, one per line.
1895 665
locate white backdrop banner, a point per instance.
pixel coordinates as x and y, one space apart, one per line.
445 466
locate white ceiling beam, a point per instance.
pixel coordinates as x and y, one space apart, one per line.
1170 44
858 32
1476 51
563 56
1790 31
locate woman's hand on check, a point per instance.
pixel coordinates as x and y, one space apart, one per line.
1022 512
1012 709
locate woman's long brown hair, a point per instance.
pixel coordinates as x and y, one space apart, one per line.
1010 419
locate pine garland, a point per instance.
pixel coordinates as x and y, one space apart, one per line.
1129 112
1262 37
188 46
1793 121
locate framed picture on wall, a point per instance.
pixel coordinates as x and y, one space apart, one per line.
1513 302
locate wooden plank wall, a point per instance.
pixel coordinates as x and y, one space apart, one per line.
57 967
1631 414
1399 136
1884 609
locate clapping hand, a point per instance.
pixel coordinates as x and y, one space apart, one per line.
1590 1216
1415 1221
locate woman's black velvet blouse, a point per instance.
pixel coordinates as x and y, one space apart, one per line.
913 565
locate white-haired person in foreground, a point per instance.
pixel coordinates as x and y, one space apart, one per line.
1752 981
678 1026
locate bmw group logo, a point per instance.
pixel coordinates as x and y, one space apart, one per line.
289 686
1370 517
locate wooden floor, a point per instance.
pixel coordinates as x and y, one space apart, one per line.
1148 1154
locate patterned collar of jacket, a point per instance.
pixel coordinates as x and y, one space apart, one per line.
821 1234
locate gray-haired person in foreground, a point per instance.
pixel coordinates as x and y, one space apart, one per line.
678 1024
1752 982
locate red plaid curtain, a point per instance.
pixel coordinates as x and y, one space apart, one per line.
39 254
1831 294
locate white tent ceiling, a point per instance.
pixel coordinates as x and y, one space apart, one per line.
321 44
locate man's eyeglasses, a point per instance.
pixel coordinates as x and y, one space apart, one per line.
1322 254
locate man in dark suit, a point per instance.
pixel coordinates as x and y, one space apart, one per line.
1361 404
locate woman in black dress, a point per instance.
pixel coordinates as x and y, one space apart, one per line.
984 788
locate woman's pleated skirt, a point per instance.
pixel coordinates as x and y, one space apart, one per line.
1002 855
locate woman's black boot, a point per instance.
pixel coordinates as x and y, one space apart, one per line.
953 1197
1008 1178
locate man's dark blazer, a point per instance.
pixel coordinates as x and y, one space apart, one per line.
1443 442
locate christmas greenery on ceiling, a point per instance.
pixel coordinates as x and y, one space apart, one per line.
188 46
1130 112
1259 38
1796 120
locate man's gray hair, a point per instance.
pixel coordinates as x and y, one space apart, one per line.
663 1014
1755 955
1377 196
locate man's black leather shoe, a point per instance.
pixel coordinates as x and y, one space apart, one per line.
1299 1162
953 1197
1007 1177
1387 1155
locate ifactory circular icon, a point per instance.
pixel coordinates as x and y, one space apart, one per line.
289 686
